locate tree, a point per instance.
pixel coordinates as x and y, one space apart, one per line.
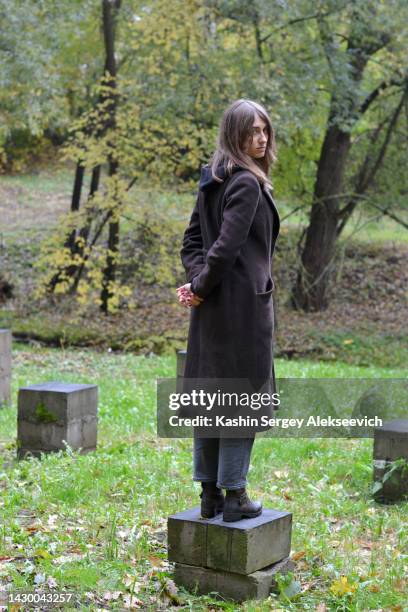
47 53
367 35
331 74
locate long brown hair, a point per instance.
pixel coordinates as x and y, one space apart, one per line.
235 128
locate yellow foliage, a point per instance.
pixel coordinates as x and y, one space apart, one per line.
163 130
343 587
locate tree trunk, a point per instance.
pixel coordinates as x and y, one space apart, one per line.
316 260
110 10
76 199
70 241
86 229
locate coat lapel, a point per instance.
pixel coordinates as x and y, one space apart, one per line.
275 212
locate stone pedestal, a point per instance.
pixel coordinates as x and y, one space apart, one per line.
239 559
390 445
239 587
5 366
181 361
52 412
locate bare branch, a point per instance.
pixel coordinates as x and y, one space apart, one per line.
388 213
376 92
300 20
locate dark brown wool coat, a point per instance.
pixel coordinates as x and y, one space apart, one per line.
227 254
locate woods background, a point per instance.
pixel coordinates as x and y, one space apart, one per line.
108 109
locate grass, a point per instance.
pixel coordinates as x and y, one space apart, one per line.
35 201
364 349
360 348
96 523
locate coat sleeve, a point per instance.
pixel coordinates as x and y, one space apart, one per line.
191 253
242 199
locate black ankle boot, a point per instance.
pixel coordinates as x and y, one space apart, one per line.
238 506
212 500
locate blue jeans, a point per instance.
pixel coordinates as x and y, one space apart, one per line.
222 460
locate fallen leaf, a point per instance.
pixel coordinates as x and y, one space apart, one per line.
401 585
132 581
129 602
112 595
155 561
298 555
281 473
365 544
170 591
33 528
52 583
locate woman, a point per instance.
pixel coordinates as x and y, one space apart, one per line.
227 254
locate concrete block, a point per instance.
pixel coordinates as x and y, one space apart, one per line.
82 432
5 366
66 401
41 436
5 389
5 341
390 444
52 412
181 361
229 585
391 440
242 547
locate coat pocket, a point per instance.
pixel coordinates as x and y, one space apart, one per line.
270 286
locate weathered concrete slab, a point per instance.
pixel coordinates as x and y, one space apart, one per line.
5 340
242 547
390 445
5 390
49 413
5 363
65 401
181 361
229 585
5 366
391 440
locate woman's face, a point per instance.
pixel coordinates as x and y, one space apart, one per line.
257 142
